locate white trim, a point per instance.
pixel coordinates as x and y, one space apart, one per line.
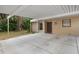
57 16
34 20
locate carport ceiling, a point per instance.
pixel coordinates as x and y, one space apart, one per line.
38 11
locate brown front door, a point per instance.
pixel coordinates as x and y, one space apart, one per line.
49 27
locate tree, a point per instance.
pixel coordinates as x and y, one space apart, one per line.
15 23
3 21
26 23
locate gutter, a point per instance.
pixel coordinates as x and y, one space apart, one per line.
57 16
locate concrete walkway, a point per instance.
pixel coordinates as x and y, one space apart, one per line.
40 43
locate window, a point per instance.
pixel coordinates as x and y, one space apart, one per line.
41 26
66 23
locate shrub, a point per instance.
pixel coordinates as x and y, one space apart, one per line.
26 23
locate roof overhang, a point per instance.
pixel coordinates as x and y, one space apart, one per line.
57 16
40 12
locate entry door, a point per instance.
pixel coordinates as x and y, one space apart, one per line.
49 27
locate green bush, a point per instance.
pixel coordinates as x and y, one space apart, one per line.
13 23
26 23
3 27
12 27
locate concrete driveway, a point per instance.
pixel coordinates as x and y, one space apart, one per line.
40 43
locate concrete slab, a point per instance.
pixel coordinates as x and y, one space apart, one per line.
40 43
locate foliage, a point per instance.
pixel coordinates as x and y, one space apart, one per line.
3 27
26 23
13 23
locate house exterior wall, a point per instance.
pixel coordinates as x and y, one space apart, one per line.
57 26
73 30
49 20
43 25
34 26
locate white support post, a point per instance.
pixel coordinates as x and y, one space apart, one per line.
8 26
8 23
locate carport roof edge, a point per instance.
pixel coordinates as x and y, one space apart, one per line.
57 16
40 12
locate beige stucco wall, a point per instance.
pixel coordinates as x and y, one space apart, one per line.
73 30
43 25
57 28
34 26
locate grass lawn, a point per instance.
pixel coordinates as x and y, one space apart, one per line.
4 35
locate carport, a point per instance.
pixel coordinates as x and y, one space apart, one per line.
39 12
40 42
